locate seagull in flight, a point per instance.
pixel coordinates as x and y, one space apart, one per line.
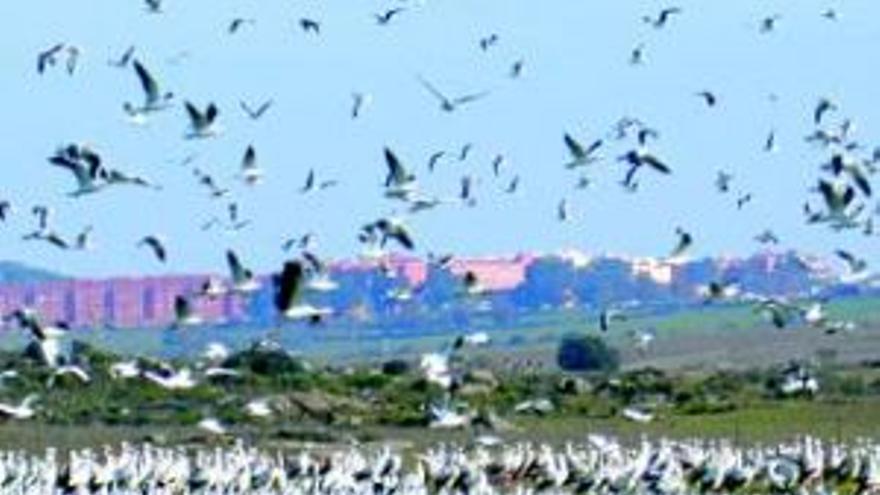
580 156
255 113
662 18
238 23
154 99
251 174
202 123
450 104
359 102
385 17
123 61
310 25
156 245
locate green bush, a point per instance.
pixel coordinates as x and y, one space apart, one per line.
586 353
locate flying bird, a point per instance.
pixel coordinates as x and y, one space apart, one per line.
123 61
662 17
399 183
824 106
289 289
310 25
156 245
580 156
154 6
768 24
154 99
516 69
185 314
255 113
243 279
437 155
709 97
238 23
251 174
638 159
359 103
685 240
49 57
386 16
202 123
450 104
488 41
722 181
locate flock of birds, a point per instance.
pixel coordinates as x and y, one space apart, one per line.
600 465
840 201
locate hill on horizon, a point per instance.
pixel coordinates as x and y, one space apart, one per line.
13 272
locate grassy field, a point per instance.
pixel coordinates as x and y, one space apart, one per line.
691 348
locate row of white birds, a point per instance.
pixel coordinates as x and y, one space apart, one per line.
596 465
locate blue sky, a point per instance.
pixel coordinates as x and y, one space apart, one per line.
577 79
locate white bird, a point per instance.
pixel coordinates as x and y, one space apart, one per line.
258 408
24 410
174 380
212 426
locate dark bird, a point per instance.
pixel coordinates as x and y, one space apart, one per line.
310 25
854 264
85 165
513 186
154 6
311 183
637 55
580 156
742 200
770 142
123 61
830 14
185 314
563 212
238 23
359 101
662 18
154 98
391 228
202 123
488 41
685 240
450 104
638 159
256 113
157 245
385 17
767 237
399 183
768 24
608 316
289 289
824 106
722 181
516 69
708 97
465 151
434 159
49 57
841 164
466 191
5 209
497 163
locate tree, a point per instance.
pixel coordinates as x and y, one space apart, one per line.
586 353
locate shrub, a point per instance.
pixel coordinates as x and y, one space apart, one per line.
586 353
